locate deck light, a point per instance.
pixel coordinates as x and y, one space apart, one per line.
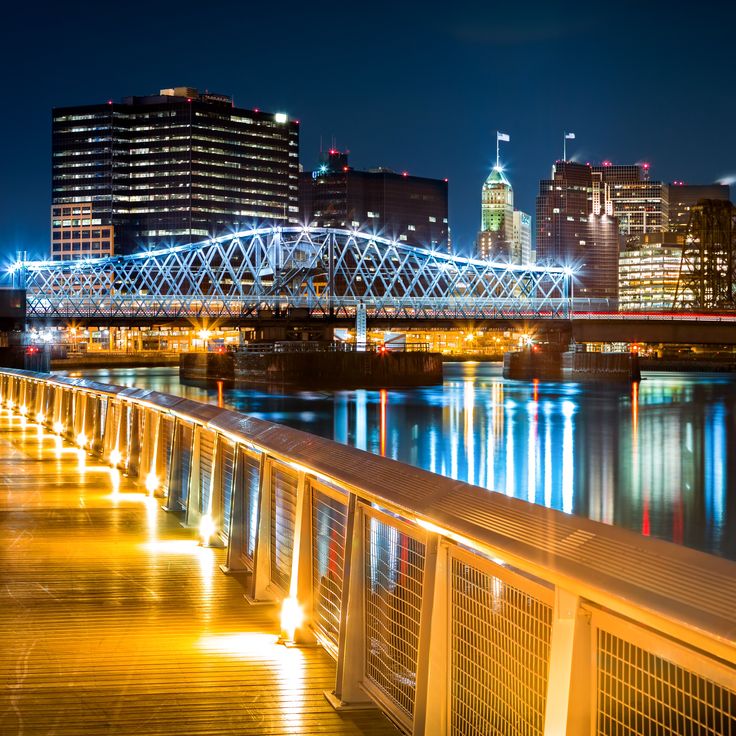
151 483
40 418
115 457
292 617
58 427
82 440
206 529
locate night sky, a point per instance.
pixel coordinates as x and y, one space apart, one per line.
416 86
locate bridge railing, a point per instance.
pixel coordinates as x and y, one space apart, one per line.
453 609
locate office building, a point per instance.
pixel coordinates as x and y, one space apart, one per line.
627 193
570 234
171 168
76 233
409 209
505 233
648 272
683 197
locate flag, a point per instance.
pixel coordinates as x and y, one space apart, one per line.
570 136
503 137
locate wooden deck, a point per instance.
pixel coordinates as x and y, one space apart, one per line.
114 621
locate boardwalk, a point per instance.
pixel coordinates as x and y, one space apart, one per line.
114 621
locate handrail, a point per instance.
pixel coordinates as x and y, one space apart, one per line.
591 587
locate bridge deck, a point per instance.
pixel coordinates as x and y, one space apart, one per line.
114 621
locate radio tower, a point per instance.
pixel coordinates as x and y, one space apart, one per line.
707 277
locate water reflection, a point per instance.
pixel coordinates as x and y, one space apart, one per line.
658 458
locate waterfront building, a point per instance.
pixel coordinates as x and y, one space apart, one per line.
522 238
410 209
569 233
627 193
683 197
171 168
648 272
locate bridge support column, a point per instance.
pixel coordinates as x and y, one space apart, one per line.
569 683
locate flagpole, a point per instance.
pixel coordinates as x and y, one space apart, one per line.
564 146
498 158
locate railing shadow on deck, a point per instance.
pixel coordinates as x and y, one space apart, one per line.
453 609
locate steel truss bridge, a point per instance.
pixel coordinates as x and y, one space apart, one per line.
322 272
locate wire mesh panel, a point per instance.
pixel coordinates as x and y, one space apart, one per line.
394 576
642 693
251 465
137 425
226 464
499 650
283 519
329 522
206 462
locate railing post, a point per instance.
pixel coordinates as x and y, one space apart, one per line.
300 584
236 539
191 517
261 590
351 651
430 705
568 687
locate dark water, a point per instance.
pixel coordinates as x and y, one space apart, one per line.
659 458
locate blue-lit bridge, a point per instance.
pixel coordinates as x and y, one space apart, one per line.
451 609
321 272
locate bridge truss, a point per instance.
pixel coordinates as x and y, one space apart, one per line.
323 271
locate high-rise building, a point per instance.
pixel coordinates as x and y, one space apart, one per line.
410 209
627 193
570 234
175 167
683 197
522 238
505 233
648 272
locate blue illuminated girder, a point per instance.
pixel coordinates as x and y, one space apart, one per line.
322 270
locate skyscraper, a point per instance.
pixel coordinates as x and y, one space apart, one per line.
627 193
569 233
410 209
683 197
175 167
505 233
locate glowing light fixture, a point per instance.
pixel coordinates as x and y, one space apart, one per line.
58 427
40 418
292 617
23 410
82 440
281 117
151 482
115 457
206 529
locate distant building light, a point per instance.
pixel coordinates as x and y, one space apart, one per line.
281 117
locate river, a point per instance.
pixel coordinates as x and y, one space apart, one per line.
658 457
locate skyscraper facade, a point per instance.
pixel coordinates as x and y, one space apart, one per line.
625 191
505 233
170 168
569 233
683 197
409 209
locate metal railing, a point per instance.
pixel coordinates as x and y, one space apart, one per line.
454 609
330 346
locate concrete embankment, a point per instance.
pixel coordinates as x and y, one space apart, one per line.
142 359
572 365
318 369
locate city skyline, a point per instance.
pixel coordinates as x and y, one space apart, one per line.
430 125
